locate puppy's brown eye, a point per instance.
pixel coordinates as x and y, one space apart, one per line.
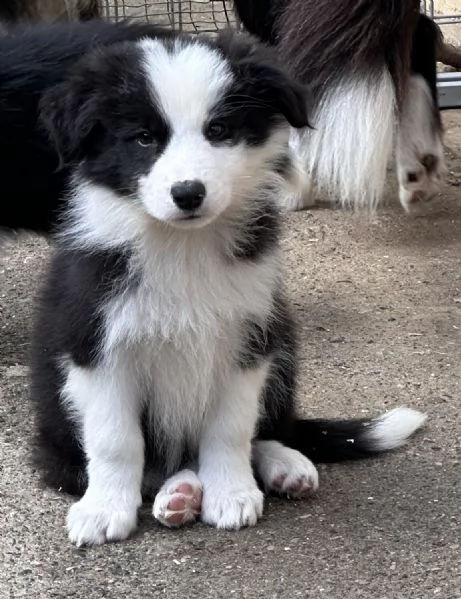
216 131
145 139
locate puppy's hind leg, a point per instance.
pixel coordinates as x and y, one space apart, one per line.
284 470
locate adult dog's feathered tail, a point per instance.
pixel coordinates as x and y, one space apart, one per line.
355 57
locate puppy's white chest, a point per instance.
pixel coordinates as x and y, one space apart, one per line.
180 330
187 375
181 358
181 379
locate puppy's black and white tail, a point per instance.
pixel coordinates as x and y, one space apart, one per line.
337 440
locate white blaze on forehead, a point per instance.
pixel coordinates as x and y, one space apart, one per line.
187 80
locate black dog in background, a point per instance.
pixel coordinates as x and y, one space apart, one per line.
14 11
33 59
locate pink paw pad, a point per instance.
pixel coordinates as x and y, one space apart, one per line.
184 506
277 483
179 506
298 487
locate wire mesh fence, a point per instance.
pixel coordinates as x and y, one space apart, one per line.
195 16
206 16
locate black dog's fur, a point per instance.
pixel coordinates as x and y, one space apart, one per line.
15 11
32 59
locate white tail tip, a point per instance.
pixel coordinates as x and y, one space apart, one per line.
392 429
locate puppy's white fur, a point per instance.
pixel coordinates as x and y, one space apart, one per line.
182 354
393 428
231 497
106 405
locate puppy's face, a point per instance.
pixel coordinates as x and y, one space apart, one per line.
178 128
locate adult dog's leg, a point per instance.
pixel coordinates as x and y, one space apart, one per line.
419 152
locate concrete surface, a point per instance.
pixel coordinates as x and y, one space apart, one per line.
379 313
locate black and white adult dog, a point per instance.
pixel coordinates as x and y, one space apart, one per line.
164 353
33 58
368 63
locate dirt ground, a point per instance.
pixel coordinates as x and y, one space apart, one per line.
378 306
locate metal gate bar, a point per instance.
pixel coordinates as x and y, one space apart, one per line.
448 84
449 88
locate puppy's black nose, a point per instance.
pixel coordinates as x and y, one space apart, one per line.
188 195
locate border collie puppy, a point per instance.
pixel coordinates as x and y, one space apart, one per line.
368 63
32 59
164 353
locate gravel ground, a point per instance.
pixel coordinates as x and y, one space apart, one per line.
379 313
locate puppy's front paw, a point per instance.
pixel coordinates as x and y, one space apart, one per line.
94 523
230 507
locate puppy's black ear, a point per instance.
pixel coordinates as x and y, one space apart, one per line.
68 114
259 71
288 97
